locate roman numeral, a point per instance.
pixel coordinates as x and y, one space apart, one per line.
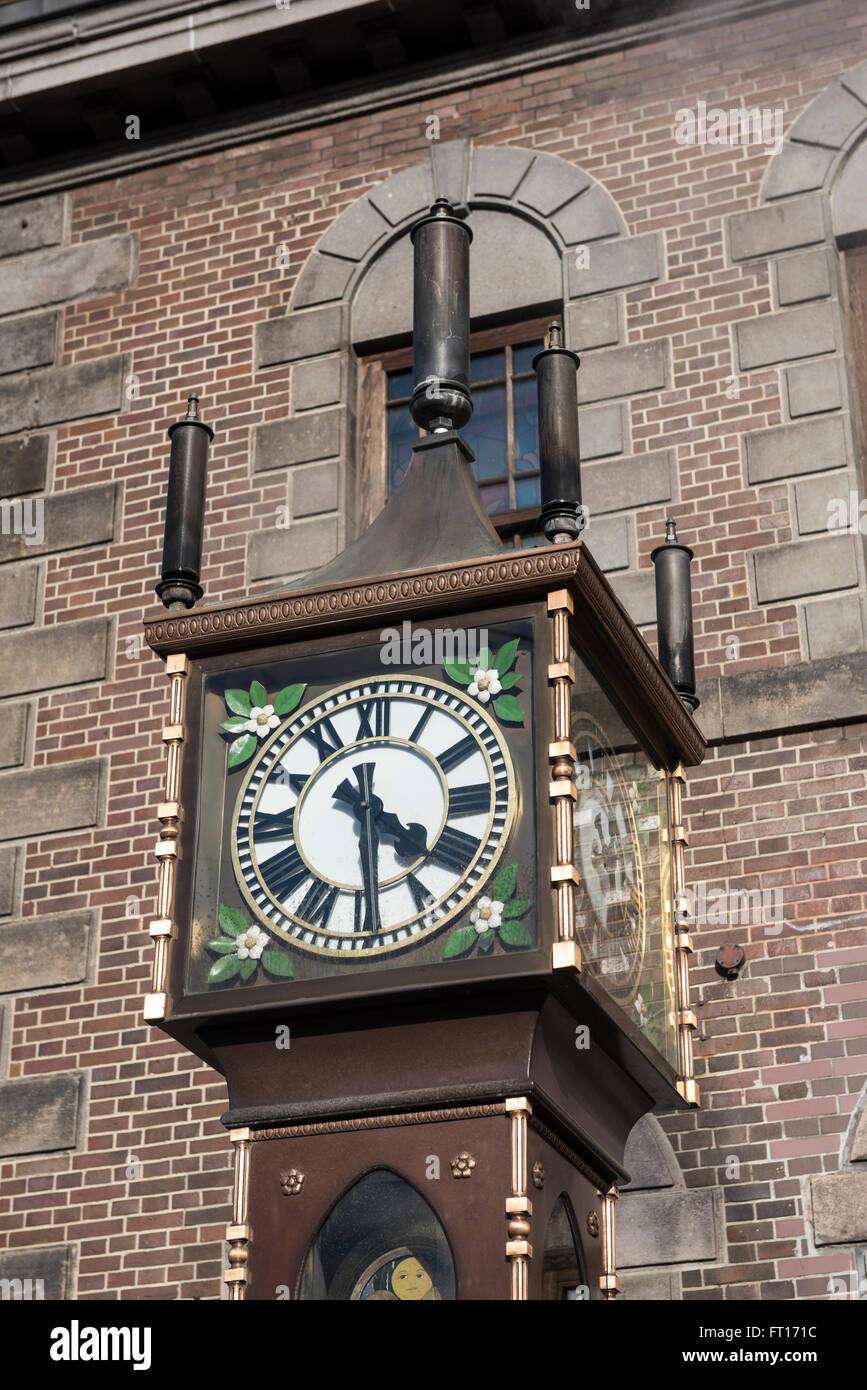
425 716
381 710
420 895
470 801
454 849
282 873
317 904
273 825
457 753
325 736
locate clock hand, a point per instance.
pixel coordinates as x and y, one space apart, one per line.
368 845
410 840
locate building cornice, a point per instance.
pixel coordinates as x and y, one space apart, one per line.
180 38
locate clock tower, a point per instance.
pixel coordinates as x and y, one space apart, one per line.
421 867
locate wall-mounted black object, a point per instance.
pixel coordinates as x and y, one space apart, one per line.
185 509
729 960
674 614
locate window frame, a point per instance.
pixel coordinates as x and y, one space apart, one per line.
373 474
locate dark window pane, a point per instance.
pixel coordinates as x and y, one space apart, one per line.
402 434
488 366
399 384
486 433
495 498
522 357
531 538
527 492
526 429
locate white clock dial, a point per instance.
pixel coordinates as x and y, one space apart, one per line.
371 817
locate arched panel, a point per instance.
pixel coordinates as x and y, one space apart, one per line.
564 1275
381 1241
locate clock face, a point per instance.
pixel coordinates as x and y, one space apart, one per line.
611 906
372 817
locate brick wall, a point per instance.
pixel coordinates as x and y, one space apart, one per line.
122 296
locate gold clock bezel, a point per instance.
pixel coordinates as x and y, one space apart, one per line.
426 934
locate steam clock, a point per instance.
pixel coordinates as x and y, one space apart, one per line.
420 857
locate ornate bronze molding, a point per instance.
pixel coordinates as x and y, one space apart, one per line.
409 1117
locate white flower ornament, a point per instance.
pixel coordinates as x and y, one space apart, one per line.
485 684
262 720
487 916
252 943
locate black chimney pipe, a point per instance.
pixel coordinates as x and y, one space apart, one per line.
185 509
441 320
674 614
563 517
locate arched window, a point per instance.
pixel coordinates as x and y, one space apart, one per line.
380 1241
563 1273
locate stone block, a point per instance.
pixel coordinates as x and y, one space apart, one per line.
808 567
839 1202
323 279
834 628
626 483
593 323
708 716
355 232
24 464
603 430
47 658
302 439
796 169
615 265
819 500
773 338
767 230
850 199
27 342
71 520
591 215
637 593
497 171
47 800
830 119
855 81
450 164
660 1228
608 540
318 383
19 595
645 1158
275 554
623 371
803 696
30 224
813 387
294 336
550 183
40 1114
315 488
67 274
407 194
656 1288
786 451
858 1149
13 734
46 1268
62 393
42 952
803 277
10 864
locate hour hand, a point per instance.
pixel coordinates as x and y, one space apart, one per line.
409 840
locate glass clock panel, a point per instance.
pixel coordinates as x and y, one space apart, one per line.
623 917
366 807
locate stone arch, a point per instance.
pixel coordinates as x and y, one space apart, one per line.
813 204
530 211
